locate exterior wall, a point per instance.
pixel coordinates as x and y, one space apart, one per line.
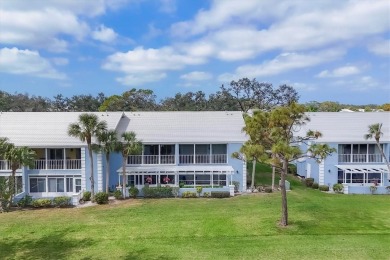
239 166
330 172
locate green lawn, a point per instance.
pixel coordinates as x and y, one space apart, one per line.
322 226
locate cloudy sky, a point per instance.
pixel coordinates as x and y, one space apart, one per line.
327 49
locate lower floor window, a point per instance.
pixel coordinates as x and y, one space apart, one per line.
169 178
360 177
55 184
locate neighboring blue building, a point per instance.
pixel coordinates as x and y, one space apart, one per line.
357 164
192 148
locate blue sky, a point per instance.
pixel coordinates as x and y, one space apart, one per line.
327 49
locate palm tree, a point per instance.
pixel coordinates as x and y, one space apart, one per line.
375 131
107 143
130 146
18 157
87 127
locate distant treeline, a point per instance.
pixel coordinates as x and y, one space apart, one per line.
240 95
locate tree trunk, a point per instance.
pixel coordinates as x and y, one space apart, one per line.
124 177
91 172
11 190
284 219
273 174
107 170
384 157
253 174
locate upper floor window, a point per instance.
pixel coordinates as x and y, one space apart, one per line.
359 153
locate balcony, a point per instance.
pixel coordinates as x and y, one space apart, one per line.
202 159
360 158
71 164
151 159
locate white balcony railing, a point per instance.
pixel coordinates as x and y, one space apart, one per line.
203 158
151 159
71 164
4 165
360 158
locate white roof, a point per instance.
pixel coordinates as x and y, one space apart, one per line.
346 127
46 129
181 168
186 127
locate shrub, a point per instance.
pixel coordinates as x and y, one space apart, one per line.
373 189
388 189
86 196
315 185
206 194
157 192
338 187
236 186
175 191
199 190
309 182
181 184
101 198
25 201
133 192
62 201
220 194
189 194
118 194
41 203
268 189
323 188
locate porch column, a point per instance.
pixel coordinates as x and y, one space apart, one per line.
194 156
211 154
64 158
194 179
351 160
159 154
46 162
212 180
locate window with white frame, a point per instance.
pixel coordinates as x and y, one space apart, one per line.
55 184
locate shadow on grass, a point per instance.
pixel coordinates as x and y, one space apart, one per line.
52 246
144 254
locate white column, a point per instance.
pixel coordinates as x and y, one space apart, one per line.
83 180
308 170
46 159
64 158
99 166
211 153
244 175
194 179
321 177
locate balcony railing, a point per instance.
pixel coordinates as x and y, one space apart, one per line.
151 159
72 164
360 158
202 158
4 165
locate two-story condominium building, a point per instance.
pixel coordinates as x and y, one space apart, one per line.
358 163
192 148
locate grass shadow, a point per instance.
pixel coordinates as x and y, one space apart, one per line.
52 246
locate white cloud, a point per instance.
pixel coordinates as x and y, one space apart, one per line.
380 47
339 72
26 62
60 61
363 83
104 34
140 79
50 25
238 30
168 6
153 32
197 76
149 61
282 63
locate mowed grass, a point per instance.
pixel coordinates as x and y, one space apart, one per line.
322 226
